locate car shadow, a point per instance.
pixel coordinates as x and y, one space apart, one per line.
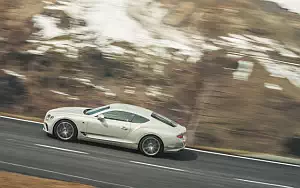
184 155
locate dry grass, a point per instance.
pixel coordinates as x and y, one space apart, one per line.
21 117
13 180
222 150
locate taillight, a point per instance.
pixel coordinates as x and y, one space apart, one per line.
180 136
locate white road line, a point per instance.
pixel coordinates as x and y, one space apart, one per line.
63 174
158 166
246 158
17 119
62 149
262 183
197 150
9 139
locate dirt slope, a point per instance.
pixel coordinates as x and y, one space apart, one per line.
13 180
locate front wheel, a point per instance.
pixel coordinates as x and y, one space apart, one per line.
65 130
151 146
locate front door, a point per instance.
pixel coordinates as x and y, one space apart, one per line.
96 129
115 126
118 123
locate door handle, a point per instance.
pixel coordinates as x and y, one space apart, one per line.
124 128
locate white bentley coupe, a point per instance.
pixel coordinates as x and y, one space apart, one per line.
118 124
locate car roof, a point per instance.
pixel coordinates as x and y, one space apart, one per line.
131 108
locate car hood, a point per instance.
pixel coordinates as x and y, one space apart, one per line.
68 110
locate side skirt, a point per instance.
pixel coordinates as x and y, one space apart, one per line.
105 140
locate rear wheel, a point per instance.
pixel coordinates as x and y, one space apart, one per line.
65 130
151 146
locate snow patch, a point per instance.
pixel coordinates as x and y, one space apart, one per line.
63 2
154 91
60 50
101 88
36 52
159 69
210 47
47 2
82 80
236 41
43 48
255 54
294 48
292 5
130 52
148 51
287 53
128 91
234 56
110 94
137 22
262 40
48 26
129 87
240 37
12 73
244 70
141 65
72 56
59 93
65 94
273 86
193 59
73 98
112 49
290 72
54 7
140 59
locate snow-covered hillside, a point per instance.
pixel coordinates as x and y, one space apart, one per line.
292 5
108 22
139 25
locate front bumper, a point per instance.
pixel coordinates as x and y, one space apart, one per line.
46 127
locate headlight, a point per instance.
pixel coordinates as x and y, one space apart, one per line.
48 117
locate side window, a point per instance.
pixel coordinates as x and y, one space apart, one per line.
118 115
139 119
97 110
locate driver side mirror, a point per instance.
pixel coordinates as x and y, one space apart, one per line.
100 117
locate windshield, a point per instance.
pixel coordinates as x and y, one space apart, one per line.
96 110
164 119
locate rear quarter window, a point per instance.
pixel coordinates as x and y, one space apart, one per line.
164 119
139 119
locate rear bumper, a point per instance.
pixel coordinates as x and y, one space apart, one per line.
175 148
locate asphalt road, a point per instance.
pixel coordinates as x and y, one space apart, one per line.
25 148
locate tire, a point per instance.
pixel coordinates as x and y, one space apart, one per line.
50 135
151 146
65 130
